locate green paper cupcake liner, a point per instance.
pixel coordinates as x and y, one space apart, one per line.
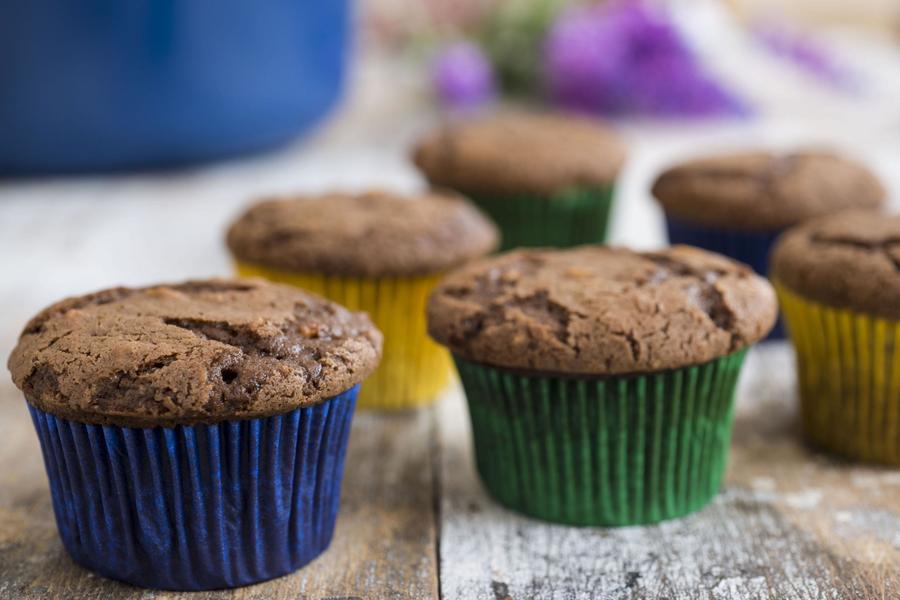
612 451
569 218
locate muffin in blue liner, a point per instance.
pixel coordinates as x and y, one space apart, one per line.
198 507
194 435
749 247
738 204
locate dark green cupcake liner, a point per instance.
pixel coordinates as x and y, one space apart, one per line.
569 218
612 451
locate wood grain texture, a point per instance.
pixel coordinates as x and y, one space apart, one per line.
384 544
790 523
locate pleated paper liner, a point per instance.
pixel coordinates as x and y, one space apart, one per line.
569 218
198 507
413 368
748 247
848 368
603 451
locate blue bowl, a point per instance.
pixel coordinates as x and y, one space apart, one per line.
105 84
198 507
749 247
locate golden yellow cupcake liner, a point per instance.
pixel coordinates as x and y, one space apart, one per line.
848 367
414 368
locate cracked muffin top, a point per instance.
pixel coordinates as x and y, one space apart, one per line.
596 310
847 260
373 234
520 153
759 191
196 352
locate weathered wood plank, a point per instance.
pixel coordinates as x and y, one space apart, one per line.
789 524
384 544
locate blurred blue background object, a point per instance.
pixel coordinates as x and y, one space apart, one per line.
106 84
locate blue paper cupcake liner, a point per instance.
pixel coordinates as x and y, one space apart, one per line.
749 247
198 507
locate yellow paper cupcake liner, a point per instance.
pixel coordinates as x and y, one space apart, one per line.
414 368
848 366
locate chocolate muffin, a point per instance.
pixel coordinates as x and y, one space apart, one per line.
738 204
378 252
838 279
160 409
596 377
546 179
372 234
764 192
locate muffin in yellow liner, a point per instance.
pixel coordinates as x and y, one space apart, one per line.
839 286
377 252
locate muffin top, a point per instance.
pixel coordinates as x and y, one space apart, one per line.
520 153
596 310
759 191
196 352
847 260
372 234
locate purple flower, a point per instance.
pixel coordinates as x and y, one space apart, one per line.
583 55
463 77
625 58
805 53
668 86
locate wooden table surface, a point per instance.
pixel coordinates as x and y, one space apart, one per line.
415 521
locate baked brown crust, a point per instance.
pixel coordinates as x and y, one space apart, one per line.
596 310
372 234
520 153
847 260
760 191
195 352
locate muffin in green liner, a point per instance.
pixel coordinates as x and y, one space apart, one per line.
600 381
546 179
571 217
